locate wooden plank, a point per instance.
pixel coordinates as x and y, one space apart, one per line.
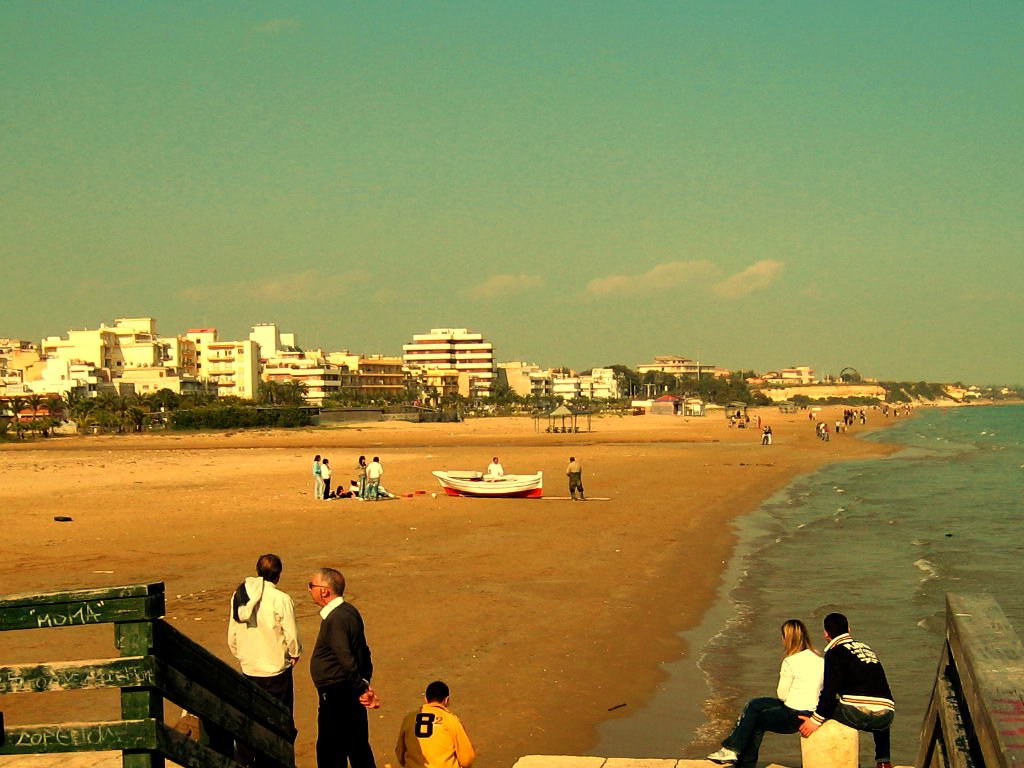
80 613
212 708
956 752
128 672
989 659
80 737
201 666
189 753
136 639
82 595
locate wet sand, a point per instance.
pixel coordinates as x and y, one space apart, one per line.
542 615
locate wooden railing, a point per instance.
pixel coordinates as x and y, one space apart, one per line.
157 662
976 715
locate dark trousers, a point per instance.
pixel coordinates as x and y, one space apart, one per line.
327 488
575 484
760 715
281 688
878 723
342 731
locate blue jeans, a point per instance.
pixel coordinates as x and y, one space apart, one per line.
877 723
760 716
372 490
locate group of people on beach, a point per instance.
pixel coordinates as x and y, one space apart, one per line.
364 487
846 683
263 636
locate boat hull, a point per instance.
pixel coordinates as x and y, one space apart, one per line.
508 487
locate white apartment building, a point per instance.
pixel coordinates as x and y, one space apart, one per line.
321 379
234 366
272 341
519 377
681 366
565 386
454 349
600 384
800 374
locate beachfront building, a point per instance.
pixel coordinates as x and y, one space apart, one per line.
150 379
469 354
600 384
320 379
272 342
800 375
680 367
521 377
565 385
232 366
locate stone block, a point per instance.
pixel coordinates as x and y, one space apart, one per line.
558 761
833 745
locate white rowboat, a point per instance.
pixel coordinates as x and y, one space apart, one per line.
458 483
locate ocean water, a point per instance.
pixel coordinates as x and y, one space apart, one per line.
882 541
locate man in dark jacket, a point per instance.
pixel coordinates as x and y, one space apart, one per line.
855 691
341 669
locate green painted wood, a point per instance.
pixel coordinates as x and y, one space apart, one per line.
82 595
190 753
989 659
129 672
136 639
80 737
219 715
69 614
201 666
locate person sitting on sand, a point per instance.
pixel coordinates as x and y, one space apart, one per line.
800 681
494 470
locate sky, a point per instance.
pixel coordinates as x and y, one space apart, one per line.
749 184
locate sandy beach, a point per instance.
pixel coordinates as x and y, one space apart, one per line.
542 615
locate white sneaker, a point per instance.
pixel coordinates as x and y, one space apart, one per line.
723 756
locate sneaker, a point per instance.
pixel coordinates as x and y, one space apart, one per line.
723 756
881 764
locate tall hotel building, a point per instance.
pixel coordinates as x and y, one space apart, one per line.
454 349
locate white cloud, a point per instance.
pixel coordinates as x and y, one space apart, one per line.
505 285
659 279
301 286
276 26
756 277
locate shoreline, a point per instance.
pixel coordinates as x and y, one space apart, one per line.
542 616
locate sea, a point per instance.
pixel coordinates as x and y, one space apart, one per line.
882 541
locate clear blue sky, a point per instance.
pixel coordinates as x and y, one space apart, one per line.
754 184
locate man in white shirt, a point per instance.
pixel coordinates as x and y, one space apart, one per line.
494 470
262 633
374 472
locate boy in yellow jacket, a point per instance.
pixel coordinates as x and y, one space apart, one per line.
433 737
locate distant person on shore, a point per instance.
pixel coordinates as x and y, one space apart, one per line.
494 470
374 472
262 633
433 736
361 476
766 435
325 475
856 692
318 483
575 474
800 680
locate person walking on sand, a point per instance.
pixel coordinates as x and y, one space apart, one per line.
433 736
341 668
374 472
325 475
262 633
318 483
855 691
575 474
800 680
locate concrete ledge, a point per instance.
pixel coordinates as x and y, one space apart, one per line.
569 761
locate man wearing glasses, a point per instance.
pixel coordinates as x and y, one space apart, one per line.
341 669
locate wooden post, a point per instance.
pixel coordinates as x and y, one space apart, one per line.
135 638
